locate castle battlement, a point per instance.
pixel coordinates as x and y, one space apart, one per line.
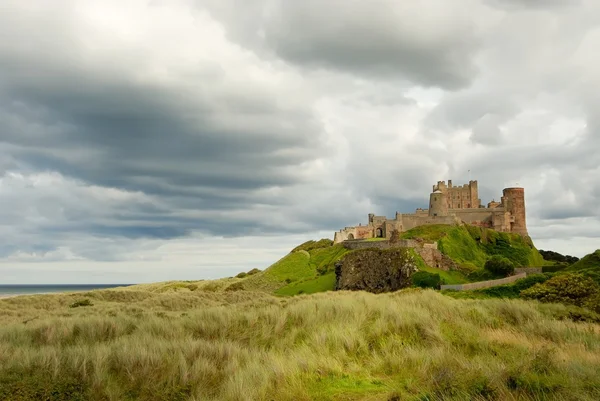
449 204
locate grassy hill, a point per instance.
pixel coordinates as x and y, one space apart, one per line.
471 246
588 265
309 267
161 342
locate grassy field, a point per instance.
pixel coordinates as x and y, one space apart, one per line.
153 343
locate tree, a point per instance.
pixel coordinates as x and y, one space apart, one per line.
499 266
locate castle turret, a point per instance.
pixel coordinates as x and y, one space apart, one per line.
438 204
514 202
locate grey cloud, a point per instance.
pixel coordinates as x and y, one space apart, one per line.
427 43
305 121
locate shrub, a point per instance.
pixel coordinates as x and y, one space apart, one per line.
253 271
426 280
82 302
593 302
235 287
574 289
530 281
554 268
242 275
499 266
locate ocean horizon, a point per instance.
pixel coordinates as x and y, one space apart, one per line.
10 290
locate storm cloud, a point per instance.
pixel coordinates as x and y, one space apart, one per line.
129 130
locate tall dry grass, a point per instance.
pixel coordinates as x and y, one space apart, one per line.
201 345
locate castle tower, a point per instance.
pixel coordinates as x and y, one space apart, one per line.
514 202
438 204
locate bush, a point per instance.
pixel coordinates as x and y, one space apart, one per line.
253 271
531 280
499 266
426 280
235 287
242 275
574 289
82 302
554 268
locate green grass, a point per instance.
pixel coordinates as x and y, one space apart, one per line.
449 277
145 342
322 283
300 270
375 239
293 266
323 259
471 246
428 233
589 265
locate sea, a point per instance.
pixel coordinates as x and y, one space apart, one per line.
11 290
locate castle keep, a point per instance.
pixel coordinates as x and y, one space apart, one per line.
449 205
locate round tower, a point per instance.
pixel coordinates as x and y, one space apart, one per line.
438 204
515 204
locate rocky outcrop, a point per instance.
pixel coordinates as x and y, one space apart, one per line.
375 270
434 258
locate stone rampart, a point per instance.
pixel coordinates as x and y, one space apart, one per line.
484 284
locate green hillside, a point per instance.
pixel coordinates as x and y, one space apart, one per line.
471 246
308 268
588 265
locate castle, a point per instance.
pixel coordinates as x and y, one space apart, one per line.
449 205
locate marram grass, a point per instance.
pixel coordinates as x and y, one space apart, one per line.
197 345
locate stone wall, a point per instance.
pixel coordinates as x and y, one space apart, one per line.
484 284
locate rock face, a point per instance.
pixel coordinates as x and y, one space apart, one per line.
375 270
433 257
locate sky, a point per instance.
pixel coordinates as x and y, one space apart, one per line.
152 140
